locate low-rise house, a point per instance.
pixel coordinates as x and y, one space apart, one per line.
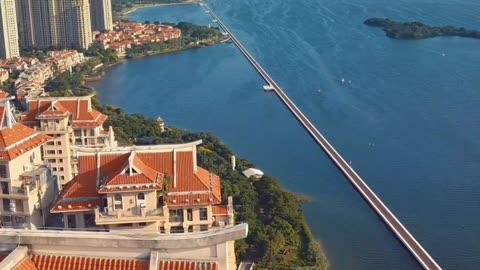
125 35
26 186
64 60
4 75
72 122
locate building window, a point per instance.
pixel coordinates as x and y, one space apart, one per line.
92 132
78 141
177 229
89 220
142 224
60 151
60 160
77 132
71 223
54 169
61 169
203 228
118 202
50 143
141 196
3 171
62 177
189 214
59 143
190 228
176 215
51 160
203 214
50 152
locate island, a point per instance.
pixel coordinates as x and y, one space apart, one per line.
418 30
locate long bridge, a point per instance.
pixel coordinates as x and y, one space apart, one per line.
420 254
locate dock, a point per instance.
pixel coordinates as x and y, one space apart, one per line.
417 251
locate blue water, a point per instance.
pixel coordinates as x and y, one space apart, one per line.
409 120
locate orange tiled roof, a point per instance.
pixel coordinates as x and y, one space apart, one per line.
18 139
81 112
82 192
26 264
187 265
220 210
52 262
3 94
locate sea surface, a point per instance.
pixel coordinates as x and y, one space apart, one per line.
407 116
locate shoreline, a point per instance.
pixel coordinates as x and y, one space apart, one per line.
136 7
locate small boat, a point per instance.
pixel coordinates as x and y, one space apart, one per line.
342 80
268 88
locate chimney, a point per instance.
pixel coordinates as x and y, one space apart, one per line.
234 162
98 169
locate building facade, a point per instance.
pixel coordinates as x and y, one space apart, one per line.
101 15
155 188
71 122
57 23
27 187
8 30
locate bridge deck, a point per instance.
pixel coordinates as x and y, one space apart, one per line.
381 209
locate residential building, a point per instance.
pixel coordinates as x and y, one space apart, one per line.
8 30
101 15
27 188
83 250
58 23
153 189
64 60
36 20
156 188
127 34
72 23
72 122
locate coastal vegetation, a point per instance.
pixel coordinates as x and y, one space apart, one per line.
278 235
121 5
418 30
193 36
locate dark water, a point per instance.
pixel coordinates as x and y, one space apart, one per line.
408 116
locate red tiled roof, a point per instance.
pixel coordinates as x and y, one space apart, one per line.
81 112
18 139
26 264
203 185
220 210
187 265
3 94
52 262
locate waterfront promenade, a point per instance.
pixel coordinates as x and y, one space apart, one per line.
376 204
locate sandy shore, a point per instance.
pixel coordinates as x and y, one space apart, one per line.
140 6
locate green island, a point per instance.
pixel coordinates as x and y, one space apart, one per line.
193 36
418 30
278 236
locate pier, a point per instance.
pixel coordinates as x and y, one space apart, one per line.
418 252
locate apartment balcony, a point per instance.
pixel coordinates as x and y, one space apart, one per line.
55 129
129 216
20 193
